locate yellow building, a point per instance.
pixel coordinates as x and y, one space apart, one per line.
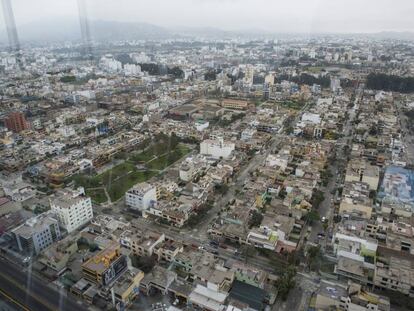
235 104
105 266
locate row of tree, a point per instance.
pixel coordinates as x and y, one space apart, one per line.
158 69
307 79
380 81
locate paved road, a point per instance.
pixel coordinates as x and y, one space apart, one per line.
29 293
336 168
407 138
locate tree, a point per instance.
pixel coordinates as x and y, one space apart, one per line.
282 193
248 251
82 243
326 175
308 79
314 255
68 79
255 219
93 247
222 188
210 76
38 210
286 282
145 263
313 216
176 72
317 198
380 81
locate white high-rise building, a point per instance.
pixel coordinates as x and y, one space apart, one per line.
132 69
217 149
141 196
248 75
270 79
335 84
110 64
72 208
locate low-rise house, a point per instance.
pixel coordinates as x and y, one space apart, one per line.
213 288
16 188
356 257
191 167
168 250
57 256
249 274
126 287
145 243
351 298
273 234
356 199
159 279
396 273
360 170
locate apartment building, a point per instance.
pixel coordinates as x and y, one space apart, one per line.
217 149
105 266
360 170
395 273
334 296
141 196
36 234
72 208
235 104
356 200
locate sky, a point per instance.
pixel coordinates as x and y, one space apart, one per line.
301 16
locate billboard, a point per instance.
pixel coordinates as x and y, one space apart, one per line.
116 268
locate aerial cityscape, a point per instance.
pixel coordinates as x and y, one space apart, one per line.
206 165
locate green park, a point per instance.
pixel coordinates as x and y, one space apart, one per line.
136 167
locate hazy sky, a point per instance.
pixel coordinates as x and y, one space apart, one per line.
269 15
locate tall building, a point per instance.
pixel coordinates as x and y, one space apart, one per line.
72 208
335 84
217 149
10 25
37 233
141 196
16 122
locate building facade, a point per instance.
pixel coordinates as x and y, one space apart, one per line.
73 209
140 196
16 122
36 234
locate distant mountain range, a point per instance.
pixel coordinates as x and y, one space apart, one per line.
69 30
53 30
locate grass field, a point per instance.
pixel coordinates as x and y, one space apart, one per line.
97 195
295 105
166 160
123 176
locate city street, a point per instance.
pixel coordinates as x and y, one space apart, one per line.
336 168
27 292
